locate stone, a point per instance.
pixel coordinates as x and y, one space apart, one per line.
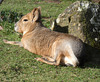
1 1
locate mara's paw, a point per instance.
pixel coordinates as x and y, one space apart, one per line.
5 41
68 64
38 59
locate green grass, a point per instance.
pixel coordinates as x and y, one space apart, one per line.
19 65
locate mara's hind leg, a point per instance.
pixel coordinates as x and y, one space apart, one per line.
13 42
49 60
44 60
70 58
63 54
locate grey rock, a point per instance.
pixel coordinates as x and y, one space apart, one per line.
1 1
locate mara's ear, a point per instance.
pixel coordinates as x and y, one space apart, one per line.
39 9
36 14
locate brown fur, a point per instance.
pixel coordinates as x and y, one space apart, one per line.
52 46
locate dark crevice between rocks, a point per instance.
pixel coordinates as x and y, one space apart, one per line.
69 19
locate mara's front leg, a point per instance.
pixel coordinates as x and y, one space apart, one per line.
13 42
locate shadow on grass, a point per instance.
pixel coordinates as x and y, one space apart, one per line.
92 58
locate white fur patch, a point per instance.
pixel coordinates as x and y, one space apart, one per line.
67 60
16 28
24 32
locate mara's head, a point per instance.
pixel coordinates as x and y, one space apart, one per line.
27 22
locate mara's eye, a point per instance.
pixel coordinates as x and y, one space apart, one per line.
25 19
